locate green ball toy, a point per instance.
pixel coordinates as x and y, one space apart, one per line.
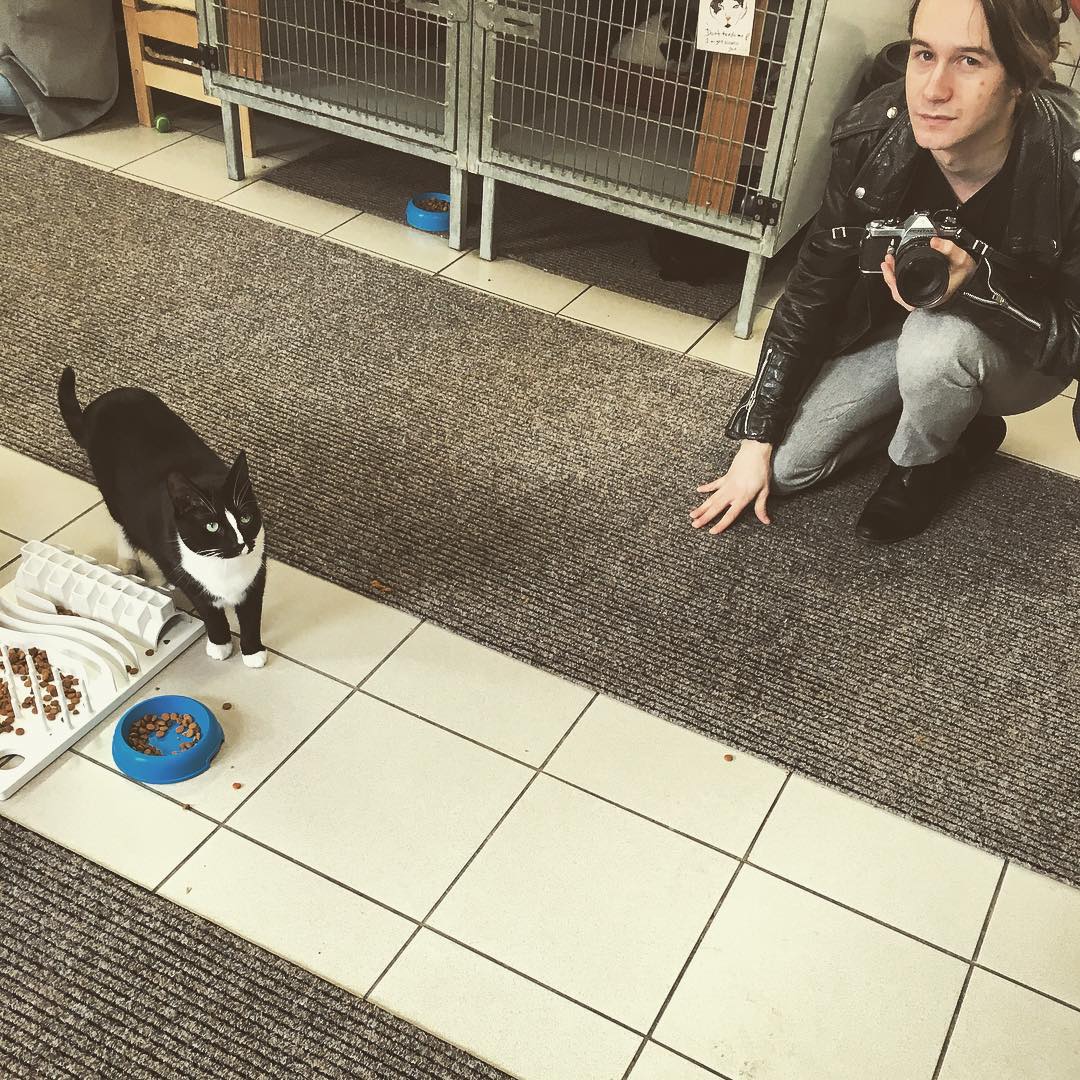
162 123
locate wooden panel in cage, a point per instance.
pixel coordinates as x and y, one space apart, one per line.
725 121
243 28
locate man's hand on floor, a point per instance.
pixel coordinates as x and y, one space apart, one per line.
746 482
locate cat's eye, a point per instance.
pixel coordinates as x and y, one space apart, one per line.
245 519
212 526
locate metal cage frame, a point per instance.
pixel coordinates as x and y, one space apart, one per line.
759 236
234 73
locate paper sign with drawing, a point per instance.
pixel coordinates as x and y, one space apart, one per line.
726 26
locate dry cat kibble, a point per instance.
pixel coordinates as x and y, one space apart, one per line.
237 787
138 736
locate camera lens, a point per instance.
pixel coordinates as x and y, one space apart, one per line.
922 274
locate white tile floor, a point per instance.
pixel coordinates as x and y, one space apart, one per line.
565 886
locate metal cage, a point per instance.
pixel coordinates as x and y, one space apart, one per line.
572 95
387 71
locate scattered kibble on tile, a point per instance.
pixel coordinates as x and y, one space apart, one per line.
237 787
729 757
227 705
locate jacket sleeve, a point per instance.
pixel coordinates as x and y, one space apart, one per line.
1037 320
808 313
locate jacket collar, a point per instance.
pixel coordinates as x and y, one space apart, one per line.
1034 224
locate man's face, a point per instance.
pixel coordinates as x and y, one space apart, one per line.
957 90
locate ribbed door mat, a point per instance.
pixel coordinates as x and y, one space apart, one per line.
526 481
104 979
561 236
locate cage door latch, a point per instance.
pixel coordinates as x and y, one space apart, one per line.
451 10
500 19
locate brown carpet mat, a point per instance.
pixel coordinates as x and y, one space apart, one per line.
556 235
102 978
526 481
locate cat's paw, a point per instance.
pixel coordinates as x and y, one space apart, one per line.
152 572
129 567
218 652
255 659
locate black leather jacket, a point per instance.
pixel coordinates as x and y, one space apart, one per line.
825 309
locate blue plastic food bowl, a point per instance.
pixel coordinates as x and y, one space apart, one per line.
429 220
171 767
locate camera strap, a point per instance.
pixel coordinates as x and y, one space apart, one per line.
979 250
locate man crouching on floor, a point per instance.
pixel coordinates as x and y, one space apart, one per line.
980 136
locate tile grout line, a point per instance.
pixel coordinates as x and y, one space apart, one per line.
693 1061
142 157
77 517
326 232
558 314
970 971
12 536
360 894
83 755
639 814
862 914
699 340
483 843
1024 986
449 730
353 691
219 824
708 925
255 790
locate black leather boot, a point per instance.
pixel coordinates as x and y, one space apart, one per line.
908 498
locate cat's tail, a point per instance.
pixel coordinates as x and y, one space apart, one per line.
70 409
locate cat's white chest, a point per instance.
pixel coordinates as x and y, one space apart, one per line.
226 580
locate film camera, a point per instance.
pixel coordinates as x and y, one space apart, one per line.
922 274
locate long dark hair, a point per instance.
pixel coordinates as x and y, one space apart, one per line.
1026 35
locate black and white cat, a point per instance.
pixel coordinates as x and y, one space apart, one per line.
175 500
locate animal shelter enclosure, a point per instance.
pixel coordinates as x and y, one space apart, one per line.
607 102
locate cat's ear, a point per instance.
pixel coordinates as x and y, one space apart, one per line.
237 486
184 494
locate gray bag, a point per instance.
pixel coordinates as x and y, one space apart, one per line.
60 56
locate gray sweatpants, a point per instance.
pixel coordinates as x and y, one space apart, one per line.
916 392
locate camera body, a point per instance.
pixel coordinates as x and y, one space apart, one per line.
922 274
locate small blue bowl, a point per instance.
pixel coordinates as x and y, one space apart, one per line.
428 220
170 767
